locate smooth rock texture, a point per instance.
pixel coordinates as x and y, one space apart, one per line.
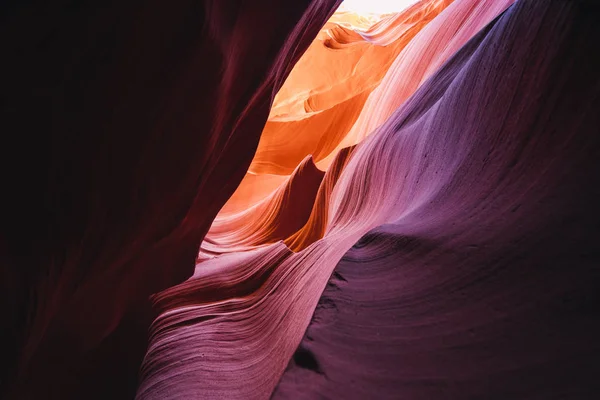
213 205
477 274
483 282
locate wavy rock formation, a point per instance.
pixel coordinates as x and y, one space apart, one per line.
416 217
318 110
482 281
478 277
314 229
423 56
326 90
383 66
275 218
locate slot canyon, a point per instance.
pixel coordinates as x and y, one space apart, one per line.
308 199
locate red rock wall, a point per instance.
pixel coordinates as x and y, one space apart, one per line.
128 125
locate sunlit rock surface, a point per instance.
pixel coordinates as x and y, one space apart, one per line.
457 258
385 65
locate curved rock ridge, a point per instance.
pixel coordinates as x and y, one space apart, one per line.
483 197
404 49
425 54
316 109
295 213
314 229
481 279
463 188
273 219
131 123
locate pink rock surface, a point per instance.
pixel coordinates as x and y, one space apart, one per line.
477 279
413 214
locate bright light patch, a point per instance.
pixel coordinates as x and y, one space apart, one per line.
376 6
